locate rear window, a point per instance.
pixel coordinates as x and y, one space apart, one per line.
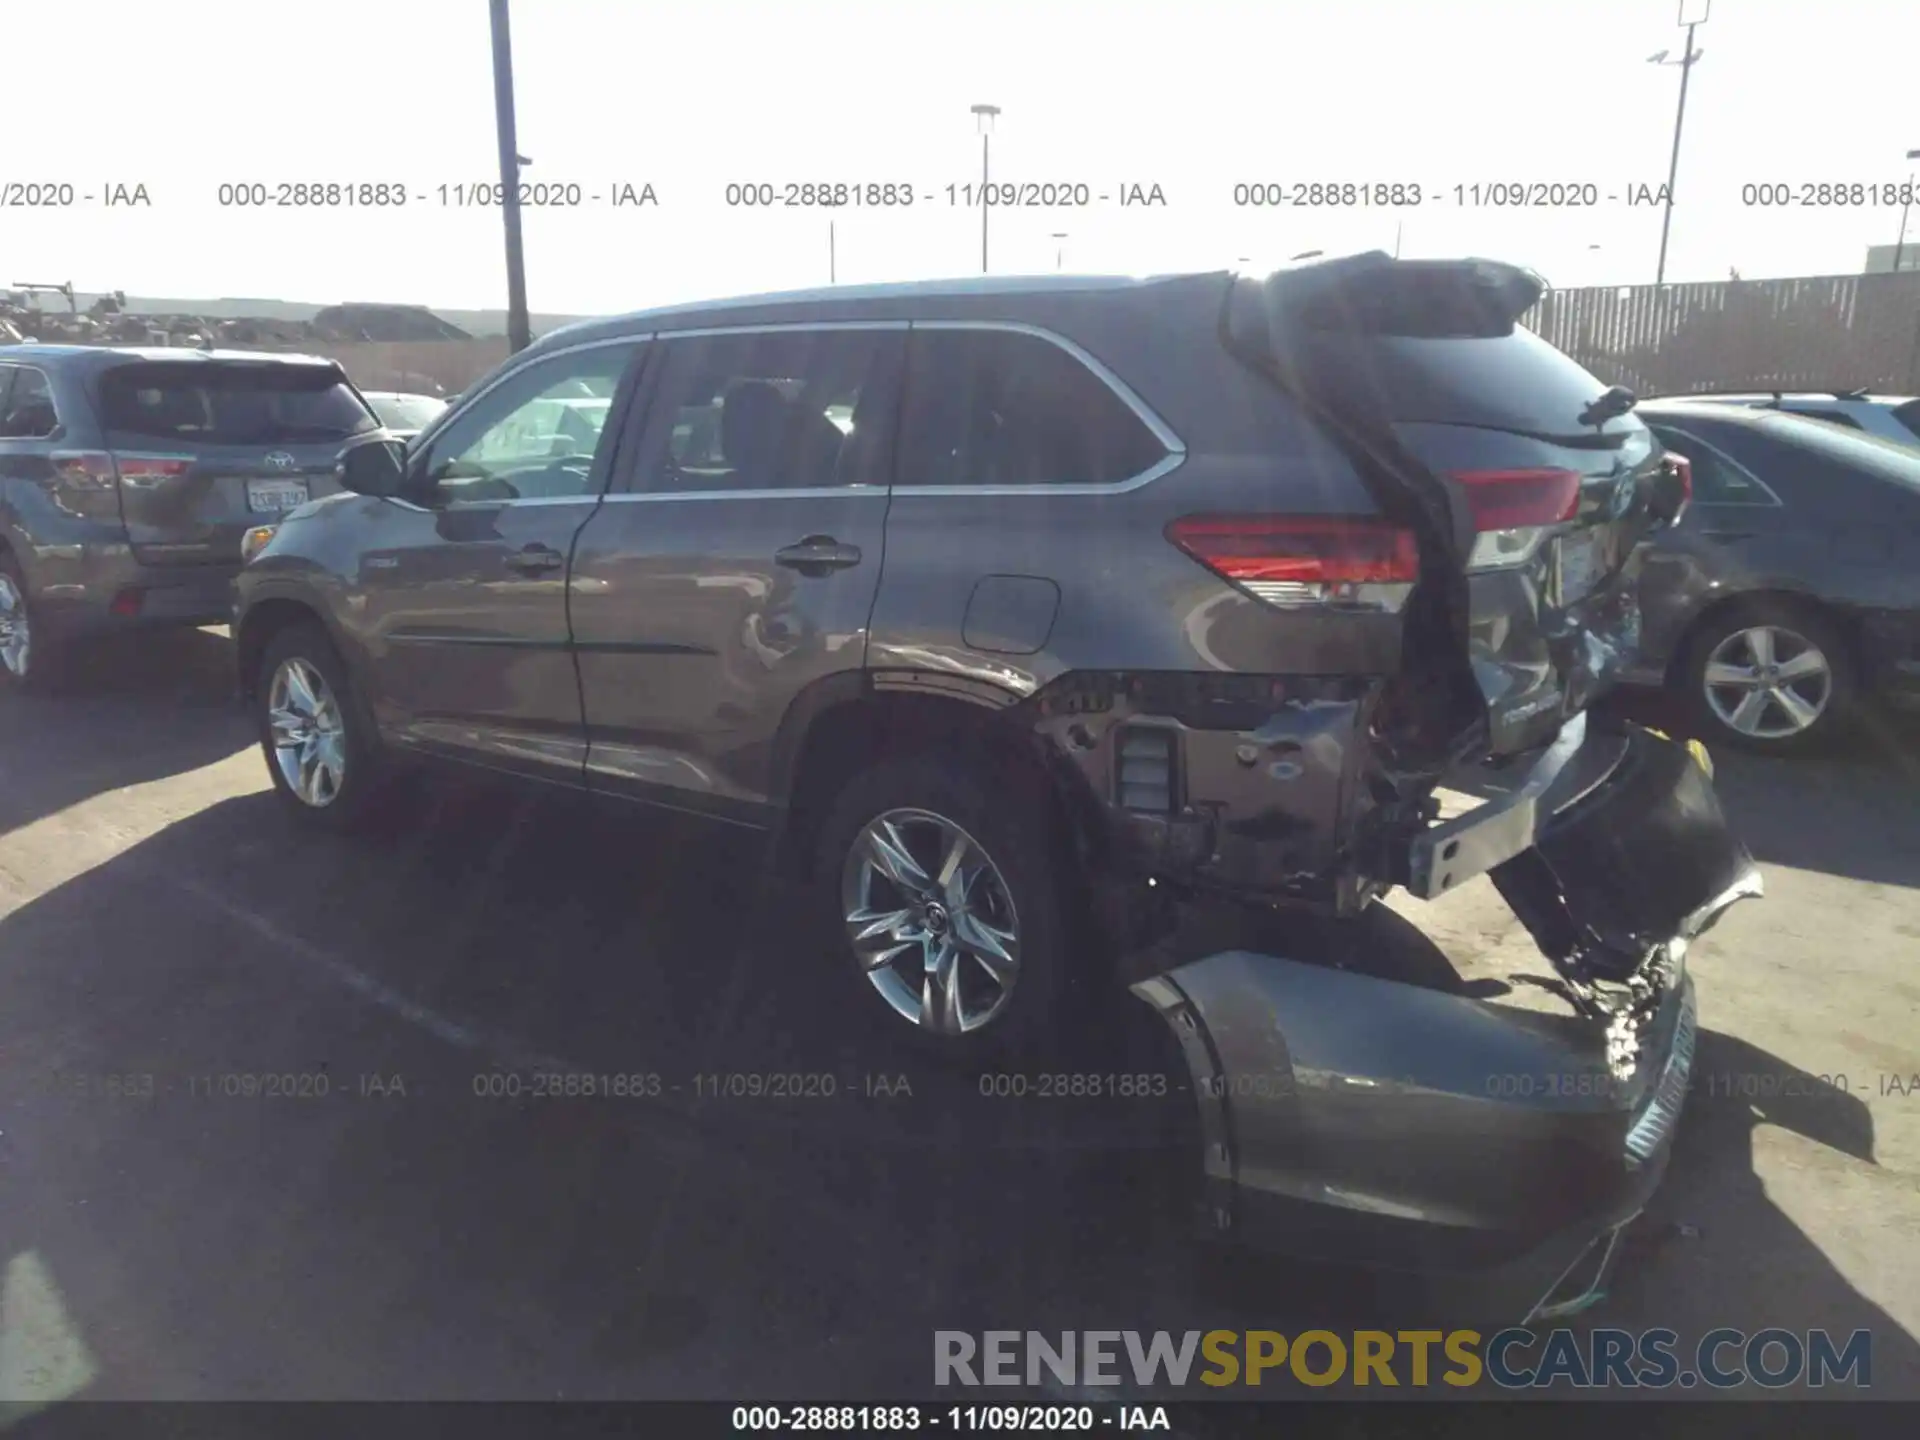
220 404
1884 459
1420 344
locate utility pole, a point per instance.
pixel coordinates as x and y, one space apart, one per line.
519 330
1905 205
983 115
833 263
1679 119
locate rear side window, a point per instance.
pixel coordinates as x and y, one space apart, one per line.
231 404
771 410
994 407
26 408
1716 479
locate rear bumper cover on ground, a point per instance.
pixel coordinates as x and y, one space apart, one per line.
1356 1119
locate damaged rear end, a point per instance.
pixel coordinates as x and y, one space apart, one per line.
1358 1117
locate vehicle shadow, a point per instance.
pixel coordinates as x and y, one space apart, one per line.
75 742
703 1241
1717 1249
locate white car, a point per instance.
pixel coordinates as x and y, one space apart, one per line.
1891 417
403 414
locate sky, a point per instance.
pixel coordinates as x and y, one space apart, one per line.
690 96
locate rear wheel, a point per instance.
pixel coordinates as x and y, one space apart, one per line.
950 906
1769 678
318 740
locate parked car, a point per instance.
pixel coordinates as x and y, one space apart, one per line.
404 415
1020 617
1891 417
128 476
1789 591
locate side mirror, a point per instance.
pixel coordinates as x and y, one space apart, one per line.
373 467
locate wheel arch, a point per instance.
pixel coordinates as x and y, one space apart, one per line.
846 723
265 618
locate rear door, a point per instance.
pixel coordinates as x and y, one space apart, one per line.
206 447
737 561
1545 498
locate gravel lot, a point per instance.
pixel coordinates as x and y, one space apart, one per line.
158 918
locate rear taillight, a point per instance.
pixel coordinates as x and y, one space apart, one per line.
1515 510
83 483
142 471
1293 560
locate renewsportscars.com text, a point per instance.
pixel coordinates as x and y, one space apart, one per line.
1511 1359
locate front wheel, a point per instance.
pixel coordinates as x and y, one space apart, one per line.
320 749
1769 679
950 906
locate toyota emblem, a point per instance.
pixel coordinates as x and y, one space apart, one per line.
281 460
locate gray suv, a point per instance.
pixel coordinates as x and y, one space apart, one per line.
1015 613
128 479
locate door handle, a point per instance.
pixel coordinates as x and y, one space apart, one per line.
536 559
817 554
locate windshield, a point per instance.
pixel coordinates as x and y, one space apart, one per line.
1887 459
236 404
405 412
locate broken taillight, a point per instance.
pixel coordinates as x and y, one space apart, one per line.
83 483
1292 560
1515 510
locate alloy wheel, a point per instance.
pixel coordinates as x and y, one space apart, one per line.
1768 682
16 632
309 734
931 921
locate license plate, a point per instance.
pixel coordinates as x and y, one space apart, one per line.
1581 557
273 496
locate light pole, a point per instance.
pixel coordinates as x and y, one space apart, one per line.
833 265
1686 64
1059 248
1905 205
519 332
983 117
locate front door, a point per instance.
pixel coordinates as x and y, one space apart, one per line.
737 561
466 592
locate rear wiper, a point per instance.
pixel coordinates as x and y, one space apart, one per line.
1617 401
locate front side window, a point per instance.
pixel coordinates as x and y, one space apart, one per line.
26 409
994 407
771 410
534 436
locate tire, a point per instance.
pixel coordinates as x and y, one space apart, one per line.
359 771
1016 901
30 668
1805 709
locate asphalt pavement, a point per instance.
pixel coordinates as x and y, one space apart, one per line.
269 1126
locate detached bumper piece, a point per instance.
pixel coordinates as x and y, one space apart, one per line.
1361 1120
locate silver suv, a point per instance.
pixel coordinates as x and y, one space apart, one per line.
1023 613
